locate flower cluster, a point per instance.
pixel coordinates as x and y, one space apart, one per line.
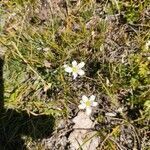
76 70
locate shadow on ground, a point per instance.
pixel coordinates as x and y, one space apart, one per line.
14 125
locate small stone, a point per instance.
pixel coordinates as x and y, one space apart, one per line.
82 132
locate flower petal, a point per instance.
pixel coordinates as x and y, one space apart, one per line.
68 69
92 98
84 98
81 72
82 106
88 110
74 63
94 104
81 64
75 75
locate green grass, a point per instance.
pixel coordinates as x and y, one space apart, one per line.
109 37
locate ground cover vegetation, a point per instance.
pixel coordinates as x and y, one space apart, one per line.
40 94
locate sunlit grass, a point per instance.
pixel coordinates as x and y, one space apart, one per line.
110 37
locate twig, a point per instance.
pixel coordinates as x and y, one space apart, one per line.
107 137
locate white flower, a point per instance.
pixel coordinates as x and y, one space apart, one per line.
87 103
76 69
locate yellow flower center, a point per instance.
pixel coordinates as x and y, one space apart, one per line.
88 103
75 69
